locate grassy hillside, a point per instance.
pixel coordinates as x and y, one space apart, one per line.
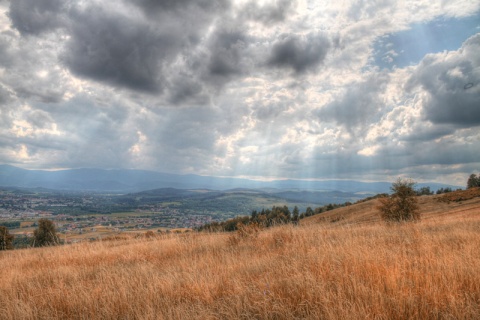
455 204
425 270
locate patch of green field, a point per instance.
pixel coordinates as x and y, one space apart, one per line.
171 204
132 214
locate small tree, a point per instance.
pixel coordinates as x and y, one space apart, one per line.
402 204
296 215
473 181
6 239
45 234
309 212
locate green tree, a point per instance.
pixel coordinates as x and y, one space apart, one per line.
402 204
45 234
309 212
473 181
254 216
444 190
6 239
424 191
296 215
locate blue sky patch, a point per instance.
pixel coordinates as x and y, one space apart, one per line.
408 47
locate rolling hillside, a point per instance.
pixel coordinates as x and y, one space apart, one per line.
456 204
427 270
349 269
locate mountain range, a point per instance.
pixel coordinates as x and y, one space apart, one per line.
129 181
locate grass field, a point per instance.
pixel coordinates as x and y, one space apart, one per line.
425 270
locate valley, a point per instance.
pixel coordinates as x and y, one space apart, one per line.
93 215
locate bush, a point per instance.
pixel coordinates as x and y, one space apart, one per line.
45 234
6 239
402 204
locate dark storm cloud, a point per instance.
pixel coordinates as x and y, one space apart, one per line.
36 16
117 49
359 105
226 53
452 83
300 53
224 57
184 89
131 45
270 13
153 7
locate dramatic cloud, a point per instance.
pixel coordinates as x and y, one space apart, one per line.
269 13
274 88
451 81
36 16
117 49
300 53
226 54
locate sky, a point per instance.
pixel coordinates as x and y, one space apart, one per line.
365 90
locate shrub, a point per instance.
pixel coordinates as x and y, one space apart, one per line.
402 204
45 234
6 239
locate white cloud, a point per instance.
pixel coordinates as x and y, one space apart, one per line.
269 88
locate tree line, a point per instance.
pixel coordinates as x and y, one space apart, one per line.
278 215
400 206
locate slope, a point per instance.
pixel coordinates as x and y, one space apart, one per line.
454 204
425 270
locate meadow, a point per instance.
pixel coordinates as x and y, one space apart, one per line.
424 270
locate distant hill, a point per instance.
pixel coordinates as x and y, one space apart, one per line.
129 181
234 201
312 197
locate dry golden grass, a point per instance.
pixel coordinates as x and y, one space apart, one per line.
425 270
453 205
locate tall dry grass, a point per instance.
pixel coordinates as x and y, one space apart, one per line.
426 270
